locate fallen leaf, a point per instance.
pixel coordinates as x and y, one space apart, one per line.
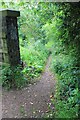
31 103
34 112
51 96
47 111
49 103
39 111
35 95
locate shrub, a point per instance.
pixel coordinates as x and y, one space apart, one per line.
35 57
12 77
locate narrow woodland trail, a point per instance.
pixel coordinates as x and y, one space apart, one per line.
31 101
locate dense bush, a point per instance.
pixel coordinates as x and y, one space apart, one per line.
34 57
12 77
67 87
65 54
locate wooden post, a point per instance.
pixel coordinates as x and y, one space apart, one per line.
9 41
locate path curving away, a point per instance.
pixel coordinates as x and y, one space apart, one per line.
31 101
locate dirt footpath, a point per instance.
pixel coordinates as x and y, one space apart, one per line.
31 101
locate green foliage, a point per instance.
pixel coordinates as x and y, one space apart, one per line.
65 63
67 87
54 27
32 45
12 77
34 57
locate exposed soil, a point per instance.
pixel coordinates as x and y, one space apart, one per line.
31 101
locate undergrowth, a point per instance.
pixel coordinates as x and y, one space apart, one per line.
33 62
66 93
34 59
61 31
